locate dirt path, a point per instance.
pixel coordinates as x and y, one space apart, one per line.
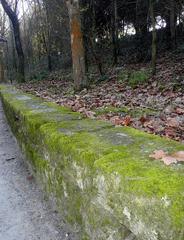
24 214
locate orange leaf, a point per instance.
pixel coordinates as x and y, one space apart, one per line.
143 120
127 121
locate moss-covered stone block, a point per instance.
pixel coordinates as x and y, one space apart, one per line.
101 176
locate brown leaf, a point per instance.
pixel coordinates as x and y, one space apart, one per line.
116 120
179 156
173 122
168 160
90 114
149 124
158 154
179 111
168 122
127 121
170 132
143 119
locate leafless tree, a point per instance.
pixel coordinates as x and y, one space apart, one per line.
12 14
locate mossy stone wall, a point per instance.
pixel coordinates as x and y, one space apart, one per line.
101 176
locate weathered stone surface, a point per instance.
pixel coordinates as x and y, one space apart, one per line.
102 178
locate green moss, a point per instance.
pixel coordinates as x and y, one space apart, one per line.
111 109
26 115
123 76
103 180
138 77
134 78
137 112
123 111
150 142
145 177
130 163
76 144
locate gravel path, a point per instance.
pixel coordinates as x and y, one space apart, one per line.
24 213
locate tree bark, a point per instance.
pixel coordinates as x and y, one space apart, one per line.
16 29
77 45
154 37
115 31
13 51
172 23
48 34
2 72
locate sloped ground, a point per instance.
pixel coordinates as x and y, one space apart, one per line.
24 214
155 106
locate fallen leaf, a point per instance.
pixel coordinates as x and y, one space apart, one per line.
143 119
173 122
179 111
167 104
90 114
127 121
168 160
179 156
158 154
116 120
170 132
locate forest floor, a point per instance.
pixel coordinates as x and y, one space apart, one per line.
154 104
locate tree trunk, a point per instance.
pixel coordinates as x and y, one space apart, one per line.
13 52
168 25
16 29
115 32
172 23
2 73
48 34
154 44
141 25
77 45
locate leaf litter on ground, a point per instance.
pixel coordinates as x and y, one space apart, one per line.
156 107
166 158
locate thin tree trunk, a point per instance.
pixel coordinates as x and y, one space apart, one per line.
2 73
96 58
16 29
92 38
173 23
77 45
13 52
3 50
123 26
115 32
18 45
48 37
154 37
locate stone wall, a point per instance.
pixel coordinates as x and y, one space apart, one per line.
104 183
